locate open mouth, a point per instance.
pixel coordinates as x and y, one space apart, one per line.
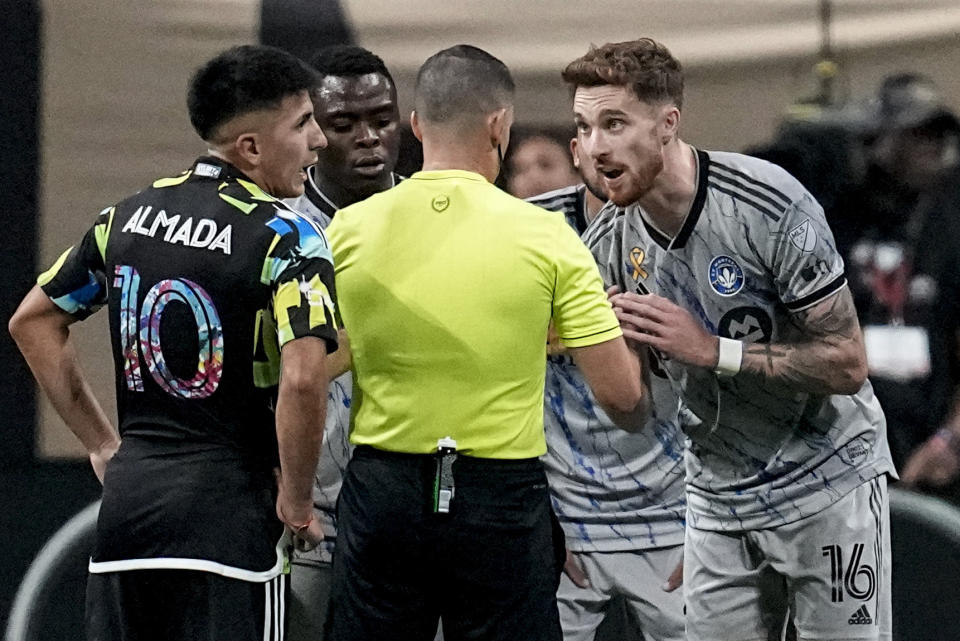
611 174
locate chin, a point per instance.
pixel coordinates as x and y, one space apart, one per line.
625 198
294 191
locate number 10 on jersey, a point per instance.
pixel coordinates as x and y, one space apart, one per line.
140 334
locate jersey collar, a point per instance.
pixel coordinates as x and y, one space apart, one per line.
696 208
216 169
444 174
323 202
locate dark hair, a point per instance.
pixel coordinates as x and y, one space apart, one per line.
644 66
348 60
462 81
241 80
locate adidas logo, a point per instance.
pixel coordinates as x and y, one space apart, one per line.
860 617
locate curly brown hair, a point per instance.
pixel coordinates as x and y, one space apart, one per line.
645 66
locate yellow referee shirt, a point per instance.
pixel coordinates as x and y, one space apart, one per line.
447 286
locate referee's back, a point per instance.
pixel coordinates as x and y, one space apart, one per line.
447 286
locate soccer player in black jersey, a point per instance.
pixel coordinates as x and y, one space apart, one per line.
220 300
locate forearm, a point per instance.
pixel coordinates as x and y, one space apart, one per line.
828 356
300 418
43 336
635 419
618 378
816 367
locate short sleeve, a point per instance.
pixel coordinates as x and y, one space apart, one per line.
806 265
581 313
77 282
302 280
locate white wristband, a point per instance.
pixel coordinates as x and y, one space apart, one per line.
730 357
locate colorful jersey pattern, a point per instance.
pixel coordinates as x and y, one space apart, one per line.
206 277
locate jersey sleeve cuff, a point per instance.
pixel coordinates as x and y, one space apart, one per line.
592 339
812 299
322 333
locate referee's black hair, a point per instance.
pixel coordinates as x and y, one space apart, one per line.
462 81
241 80
349 61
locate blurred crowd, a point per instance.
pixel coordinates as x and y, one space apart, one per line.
887 172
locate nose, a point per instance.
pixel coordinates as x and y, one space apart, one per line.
317 139
367 135
594 144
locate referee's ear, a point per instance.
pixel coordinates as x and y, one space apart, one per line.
499 123
415 126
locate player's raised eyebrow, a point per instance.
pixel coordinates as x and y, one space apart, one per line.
608 112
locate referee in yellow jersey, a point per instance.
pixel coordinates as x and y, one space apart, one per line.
447 286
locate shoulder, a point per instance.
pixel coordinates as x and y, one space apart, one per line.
512 205
376 202
756 184
558 199
603 225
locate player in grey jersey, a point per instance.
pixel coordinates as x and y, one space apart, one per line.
788 459
618 496
355 104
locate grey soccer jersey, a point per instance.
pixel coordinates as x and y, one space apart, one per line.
754 250
611 490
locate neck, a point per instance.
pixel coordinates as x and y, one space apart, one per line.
237 161
444 149
668 203
340 196
593 205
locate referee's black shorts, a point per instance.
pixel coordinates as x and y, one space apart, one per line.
490 567
168 605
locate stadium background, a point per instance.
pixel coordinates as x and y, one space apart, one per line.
93 107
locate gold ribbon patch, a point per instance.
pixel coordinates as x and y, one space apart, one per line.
636 259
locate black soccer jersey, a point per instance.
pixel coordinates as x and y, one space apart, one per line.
206 277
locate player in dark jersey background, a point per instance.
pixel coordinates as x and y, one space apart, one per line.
355 103
216 293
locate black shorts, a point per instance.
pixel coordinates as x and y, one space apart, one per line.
490 568
167 605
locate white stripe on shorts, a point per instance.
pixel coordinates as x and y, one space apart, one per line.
274 608
266 611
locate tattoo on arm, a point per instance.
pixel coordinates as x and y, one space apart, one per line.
822 353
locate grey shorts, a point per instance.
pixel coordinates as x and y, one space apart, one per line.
633 579
309 600
830 570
